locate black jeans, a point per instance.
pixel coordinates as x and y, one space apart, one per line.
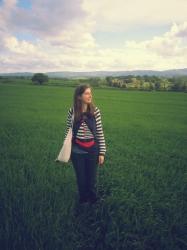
85 166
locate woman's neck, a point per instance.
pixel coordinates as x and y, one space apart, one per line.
84 107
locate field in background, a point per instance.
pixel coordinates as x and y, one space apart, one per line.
143 180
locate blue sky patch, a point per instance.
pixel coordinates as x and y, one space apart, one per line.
26 4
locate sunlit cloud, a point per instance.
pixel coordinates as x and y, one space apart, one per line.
60 35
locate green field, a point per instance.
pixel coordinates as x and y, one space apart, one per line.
142 182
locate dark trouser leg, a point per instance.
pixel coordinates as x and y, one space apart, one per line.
91 175
79 165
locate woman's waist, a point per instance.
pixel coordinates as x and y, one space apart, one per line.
84 139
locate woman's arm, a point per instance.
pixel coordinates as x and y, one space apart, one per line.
100 133
68 122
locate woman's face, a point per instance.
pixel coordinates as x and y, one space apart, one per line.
86 97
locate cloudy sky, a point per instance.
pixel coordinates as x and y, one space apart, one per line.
87 35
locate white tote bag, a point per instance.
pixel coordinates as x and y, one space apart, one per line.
65 151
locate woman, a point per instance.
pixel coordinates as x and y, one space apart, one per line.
88 142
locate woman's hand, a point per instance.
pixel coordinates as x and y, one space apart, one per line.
101 159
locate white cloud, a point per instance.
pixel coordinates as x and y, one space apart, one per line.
21 47
120 15
64 36
171 44
44 18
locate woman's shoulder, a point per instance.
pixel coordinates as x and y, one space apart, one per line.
97 111
70 110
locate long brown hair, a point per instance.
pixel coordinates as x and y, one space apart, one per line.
77 103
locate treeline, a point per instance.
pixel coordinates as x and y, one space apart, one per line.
177 83
129 82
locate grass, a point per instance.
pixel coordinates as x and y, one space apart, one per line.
142 182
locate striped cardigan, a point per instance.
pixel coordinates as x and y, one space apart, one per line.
85 133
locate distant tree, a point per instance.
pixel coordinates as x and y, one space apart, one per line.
94 81
141 84
145 78
164 84
102 81
39 78
109 80
151 86
146 85
157 85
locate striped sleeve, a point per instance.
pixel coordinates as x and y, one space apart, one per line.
68 122
99 132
